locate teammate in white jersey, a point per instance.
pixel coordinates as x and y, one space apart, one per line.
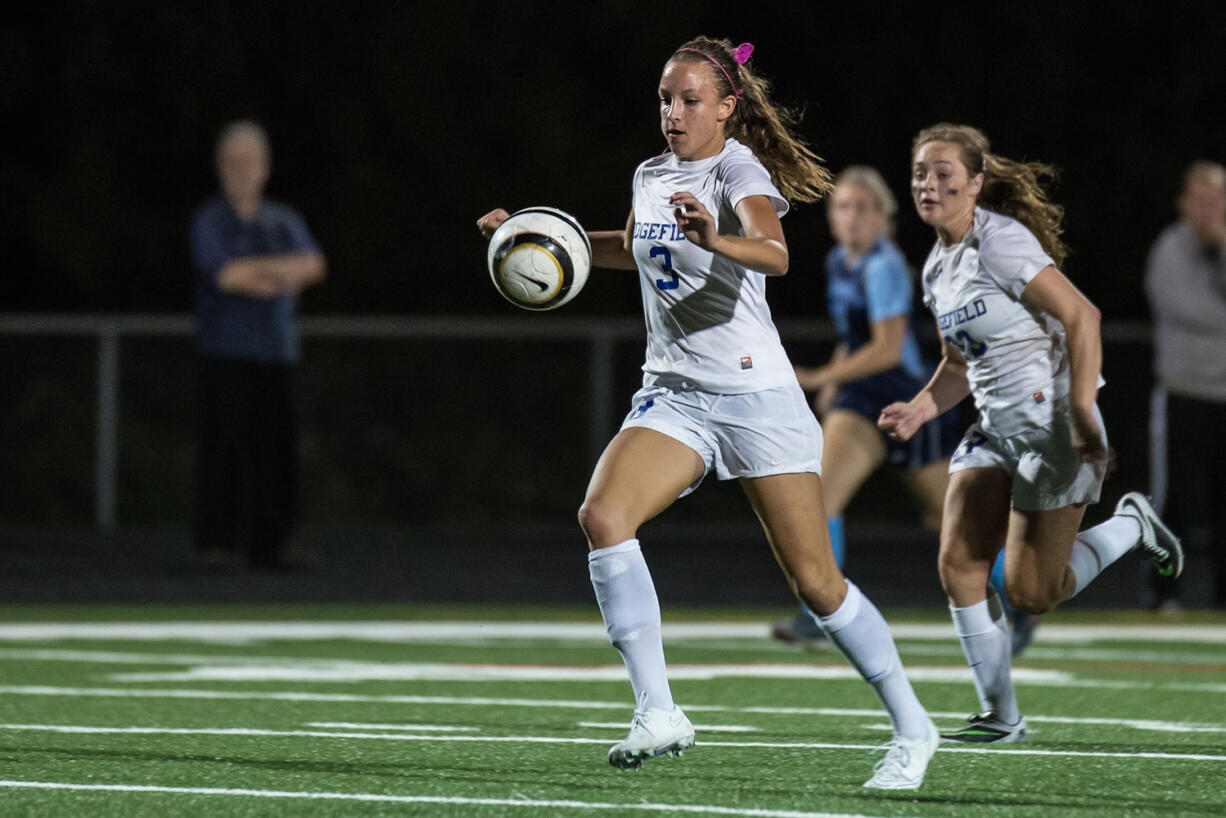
719 393
1025 343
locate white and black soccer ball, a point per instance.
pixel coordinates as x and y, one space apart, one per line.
539 258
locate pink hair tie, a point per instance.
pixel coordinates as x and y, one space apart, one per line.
743 52
722 70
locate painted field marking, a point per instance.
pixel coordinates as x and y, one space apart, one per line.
421 728
250 732
527 803
1081 653
111 657
482 701
348 671
702 728
951 650
451 632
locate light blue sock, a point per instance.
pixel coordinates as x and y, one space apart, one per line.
997 581
837 545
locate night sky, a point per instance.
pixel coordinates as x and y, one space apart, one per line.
395 125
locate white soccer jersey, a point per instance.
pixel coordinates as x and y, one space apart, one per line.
1018 360
707 317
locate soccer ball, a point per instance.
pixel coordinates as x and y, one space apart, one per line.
539 258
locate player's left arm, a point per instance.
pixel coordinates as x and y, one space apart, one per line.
1053 293
762 248
883 351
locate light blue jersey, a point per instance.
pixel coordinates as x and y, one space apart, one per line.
876 287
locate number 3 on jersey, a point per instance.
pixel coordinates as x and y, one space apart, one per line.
666 265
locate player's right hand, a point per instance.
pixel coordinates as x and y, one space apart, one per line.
900 420
488 223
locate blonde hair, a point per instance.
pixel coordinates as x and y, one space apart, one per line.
763 126
871 180
1015 189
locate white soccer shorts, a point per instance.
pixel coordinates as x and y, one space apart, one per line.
749 435
1046 471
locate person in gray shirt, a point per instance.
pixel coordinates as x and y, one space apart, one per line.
1185 281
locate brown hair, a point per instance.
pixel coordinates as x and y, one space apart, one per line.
758 122
1015 189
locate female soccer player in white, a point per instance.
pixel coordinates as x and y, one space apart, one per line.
1025 343
719 392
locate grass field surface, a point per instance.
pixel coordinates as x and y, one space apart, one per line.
489 711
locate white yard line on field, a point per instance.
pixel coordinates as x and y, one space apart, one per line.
250 732
349 671
701 728
561 704
453 632
526 803
1081 653
1078 653
112 657
421 728
322 668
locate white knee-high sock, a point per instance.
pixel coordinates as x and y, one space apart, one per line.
631 611
986 643
1097 547
860 631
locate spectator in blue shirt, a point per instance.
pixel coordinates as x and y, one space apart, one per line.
252 258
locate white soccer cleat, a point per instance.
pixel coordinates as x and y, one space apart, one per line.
1158 542
905 762
653 732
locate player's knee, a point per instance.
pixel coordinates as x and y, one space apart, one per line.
603 524
1031 595
953 564
822 594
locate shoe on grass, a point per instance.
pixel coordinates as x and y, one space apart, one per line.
653 732
985 728
905 762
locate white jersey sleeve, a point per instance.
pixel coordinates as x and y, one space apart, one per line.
1011 254
746 177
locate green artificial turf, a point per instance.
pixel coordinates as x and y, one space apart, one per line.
217 724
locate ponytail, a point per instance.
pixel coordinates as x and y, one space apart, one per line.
763 126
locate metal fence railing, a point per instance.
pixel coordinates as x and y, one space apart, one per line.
599 335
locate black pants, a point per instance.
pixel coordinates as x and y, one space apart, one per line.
248 482
1195 496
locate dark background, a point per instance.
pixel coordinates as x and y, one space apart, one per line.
394 126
